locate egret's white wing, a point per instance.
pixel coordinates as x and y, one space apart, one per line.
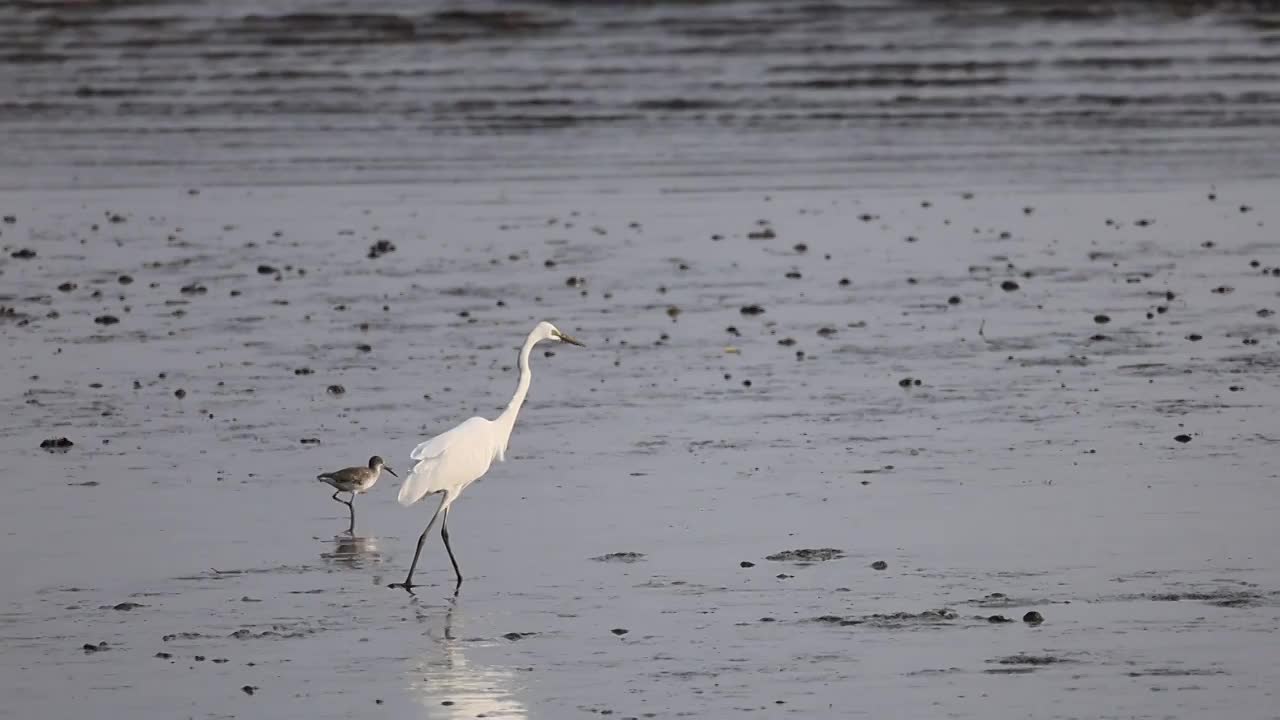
450 461
436 445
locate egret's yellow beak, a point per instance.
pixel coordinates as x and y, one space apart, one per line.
393 472
569 339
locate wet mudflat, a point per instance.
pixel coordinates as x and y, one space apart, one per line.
1060 403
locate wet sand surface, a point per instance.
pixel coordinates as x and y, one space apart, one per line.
972 304
1036 465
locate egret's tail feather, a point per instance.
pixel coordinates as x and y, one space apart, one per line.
418 483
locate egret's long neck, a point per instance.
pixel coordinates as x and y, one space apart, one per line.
507 420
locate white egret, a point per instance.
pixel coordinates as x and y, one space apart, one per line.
354 480
452 460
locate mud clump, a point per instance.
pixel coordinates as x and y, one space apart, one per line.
806 555
620 557
380 248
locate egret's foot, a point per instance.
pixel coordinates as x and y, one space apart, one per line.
407 586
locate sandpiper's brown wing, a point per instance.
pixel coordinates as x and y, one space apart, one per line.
346 476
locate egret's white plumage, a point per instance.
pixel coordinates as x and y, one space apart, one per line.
452 460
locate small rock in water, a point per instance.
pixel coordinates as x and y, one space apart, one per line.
514 636
106 319
752 310
248 689
380 248
619 631
746 564
1184 438
1033 617
622 557
59 443
335 390
908 382
998 619
266 270
1102 319
91 648
806 555
1009 286
127 606
879 565
23 254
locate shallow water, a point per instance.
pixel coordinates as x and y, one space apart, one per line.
214 180
886 93
1032 460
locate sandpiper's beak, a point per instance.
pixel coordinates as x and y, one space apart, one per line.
393 472
569 339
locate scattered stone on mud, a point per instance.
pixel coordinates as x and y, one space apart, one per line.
1102 319
746 564
826 331
1195 337
514 636
335 390
1183 438
896 619
90 648
164 655
58 443
310 441
621 557
86 483
619 631
762 234
249 689
1024 659
1009 286
751 310
806 555
266 270
879 565
380 248
23 254
953 300
125 606
1033 618
996 619
106 319
67 286
179 393
907 382
844 282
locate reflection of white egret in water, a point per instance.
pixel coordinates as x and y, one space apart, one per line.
354 551
442 673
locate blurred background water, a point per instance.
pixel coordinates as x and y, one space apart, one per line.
741 93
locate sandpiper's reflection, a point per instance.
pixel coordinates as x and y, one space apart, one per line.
354 551
443 674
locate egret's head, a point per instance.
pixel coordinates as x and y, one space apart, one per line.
547 331
376 463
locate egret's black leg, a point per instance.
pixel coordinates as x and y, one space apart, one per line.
408 579
444 534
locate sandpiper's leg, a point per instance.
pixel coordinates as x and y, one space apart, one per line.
408 580
444 534
351 507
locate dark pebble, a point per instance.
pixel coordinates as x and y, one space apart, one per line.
67 287
24 254
60 443
953 300
266 270
302 371
380 248
91 648
879 565
335 390
1102 319
787 342
248 689
998 619
844 282
1195 337
310 441
1008 286
364 347
619 631
106 319
1033 617
746 564
164 655
179 393
826 331
752 310
1184 438
125 280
